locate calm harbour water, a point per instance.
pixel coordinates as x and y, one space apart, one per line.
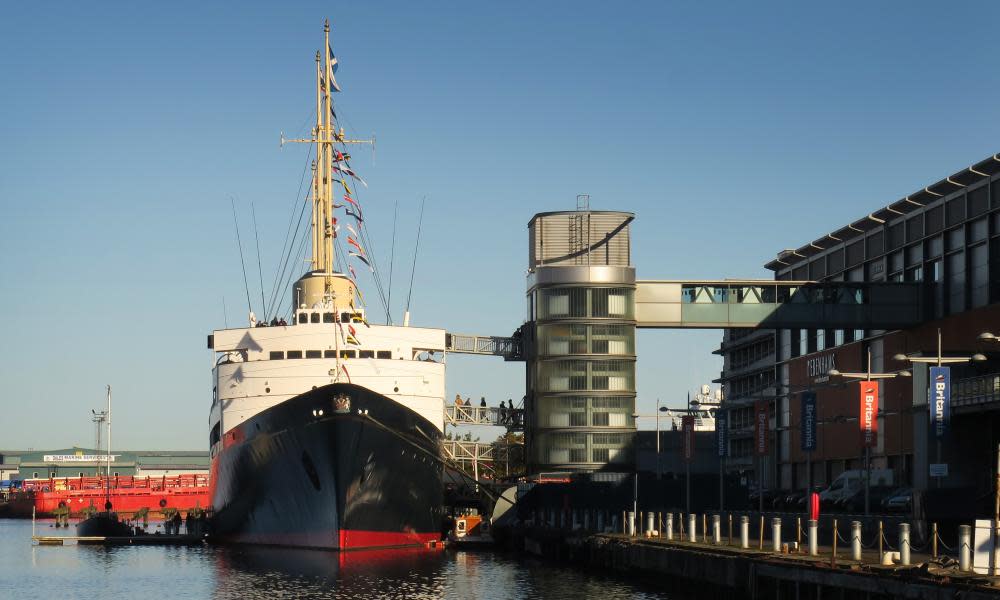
242 572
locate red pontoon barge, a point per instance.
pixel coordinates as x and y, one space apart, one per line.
128 494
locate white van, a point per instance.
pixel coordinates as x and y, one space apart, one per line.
850 481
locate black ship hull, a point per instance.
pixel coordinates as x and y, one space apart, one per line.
339 467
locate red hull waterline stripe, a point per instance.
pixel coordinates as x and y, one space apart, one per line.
361 540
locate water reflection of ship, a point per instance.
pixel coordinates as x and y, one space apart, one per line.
359 574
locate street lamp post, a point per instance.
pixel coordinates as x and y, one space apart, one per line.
659 409
868 376
658 471
940 360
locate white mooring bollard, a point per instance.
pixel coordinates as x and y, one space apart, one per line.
813 529
964 548
856 540
904 544
692 528
776 534
631 523
744 531
670 526
716 529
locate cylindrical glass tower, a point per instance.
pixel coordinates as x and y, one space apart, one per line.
580 342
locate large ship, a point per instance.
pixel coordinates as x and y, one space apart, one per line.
325 430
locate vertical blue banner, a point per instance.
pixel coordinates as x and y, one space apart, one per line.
940 407
720 432
808 421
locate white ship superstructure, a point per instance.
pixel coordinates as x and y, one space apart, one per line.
260 367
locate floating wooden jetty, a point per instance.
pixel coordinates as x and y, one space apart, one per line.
153 539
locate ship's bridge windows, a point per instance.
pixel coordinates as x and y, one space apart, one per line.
383 354
276 355
328 317
347 354
216 435
303 318
314 354
314 317
366 354
294 354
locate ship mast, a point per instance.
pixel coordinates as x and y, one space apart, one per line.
325 135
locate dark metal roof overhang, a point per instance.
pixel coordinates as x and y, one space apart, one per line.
968 176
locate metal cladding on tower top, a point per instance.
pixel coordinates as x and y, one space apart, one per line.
580 345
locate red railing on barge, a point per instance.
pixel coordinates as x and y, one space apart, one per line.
118 482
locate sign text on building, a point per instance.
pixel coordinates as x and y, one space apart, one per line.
940 409
56 458
720 432
868 414
821 366
808 421
687 429
760 427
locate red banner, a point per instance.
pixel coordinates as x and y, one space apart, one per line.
868 414
687 430
760 427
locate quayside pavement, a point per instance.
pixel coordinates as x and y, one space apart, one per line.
747 562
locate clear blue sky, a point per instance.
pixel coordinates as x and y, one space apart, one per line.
732 130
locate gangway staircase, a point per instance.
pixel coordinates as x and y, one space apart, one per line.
485 458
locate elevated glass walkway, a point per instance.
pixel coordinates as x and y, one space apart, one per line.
770 304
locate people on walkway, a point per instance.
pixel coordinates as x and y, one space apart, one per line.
482 401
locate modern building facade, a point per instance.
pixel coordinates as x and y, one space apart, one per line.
84 462
748 375
579 342
946 237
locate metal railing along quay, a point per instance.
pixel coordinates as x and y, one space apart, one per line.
834 539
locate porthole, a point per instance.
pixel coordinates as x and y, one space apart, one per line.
396 389
267 390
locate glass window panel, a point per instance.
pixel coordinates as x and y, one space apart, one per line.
914 228
978 201
979 277
956 282
855 253
935 246
935 219
956 238
979 230
955 211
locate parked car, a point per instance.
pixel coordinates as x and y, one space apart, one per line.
855 503
901 500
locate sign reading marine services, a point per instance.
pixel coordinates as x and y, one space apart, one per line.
808 421
940 400
75 458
